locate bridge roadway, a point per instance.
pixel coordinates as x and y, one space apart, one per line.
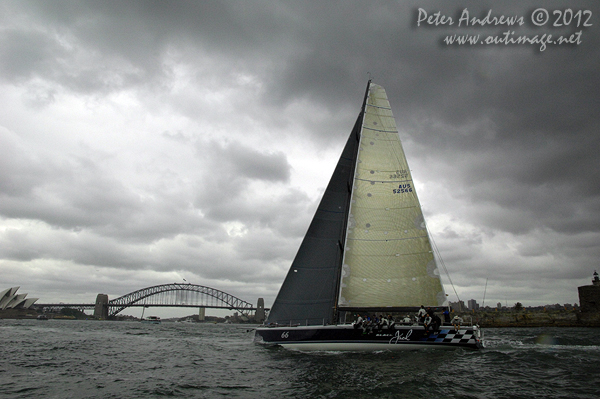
165 295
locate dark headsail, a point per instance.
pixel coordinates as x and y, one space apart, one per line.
309 291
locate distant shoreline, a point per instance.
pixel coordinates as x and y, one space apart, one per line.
535 318
484 318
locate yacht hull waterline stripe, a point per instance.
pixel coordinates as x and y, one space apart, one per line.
346 337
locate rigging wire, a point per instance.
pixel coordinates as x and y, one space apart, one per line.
439 256
484 292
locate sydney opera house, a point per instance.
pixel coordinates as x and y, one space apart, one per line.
9 299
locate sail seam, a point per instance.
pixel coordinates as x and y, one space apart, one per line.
377 106
381 130
389 239
384 181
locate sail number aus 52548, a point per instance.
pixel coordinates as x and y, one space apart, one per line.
403 188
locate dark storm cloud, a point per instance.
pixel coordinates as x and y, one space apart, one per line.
98 47
234 173
236 161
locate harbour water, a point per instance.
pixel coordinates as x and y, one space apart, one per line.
93 359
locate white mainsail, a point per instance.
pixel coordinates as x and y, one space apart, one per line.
388 259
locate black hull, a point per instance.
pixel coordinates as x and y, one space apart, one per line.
346 337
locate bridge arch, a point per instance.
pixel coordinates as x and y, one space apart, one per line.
179 294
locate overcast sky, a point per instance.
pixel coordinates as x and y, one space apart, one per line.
147 142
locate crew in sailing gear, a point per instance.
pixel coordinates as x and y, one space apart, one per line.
421 314
436 322
390 321
427 323
359 322
367 325
383 321
456 322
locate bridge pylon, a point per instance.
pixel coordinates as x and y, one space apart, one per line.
259 316
101 307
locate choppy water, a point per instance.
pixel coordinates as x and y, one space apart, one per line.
90 359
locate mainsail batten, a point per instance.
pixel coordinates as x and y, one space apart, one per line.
388 261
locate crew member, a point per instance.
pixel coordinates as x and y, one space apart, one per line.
456 322
358 323
421 314
427 323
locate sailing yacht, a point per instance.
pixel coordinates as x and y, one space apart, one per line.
366 254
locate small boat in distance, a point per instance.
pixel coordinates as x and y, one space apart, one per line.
151 320
42 317
366 255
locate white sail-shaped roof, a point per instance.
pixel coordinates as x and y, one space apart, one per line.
3 295
16 301
7 296
29 302
9 299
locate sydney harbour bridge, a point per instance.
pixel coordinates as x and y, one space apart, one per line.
166 295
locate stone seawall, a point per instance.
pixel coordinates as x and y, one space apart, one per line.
18 314
527 318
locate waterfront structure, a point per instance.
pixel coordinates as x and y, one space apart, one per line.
9 299
589 295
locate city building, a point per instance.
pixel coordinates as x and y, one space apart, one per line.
458 306
472 304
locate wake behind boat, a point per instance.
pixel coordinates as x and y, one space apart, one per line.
366 252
